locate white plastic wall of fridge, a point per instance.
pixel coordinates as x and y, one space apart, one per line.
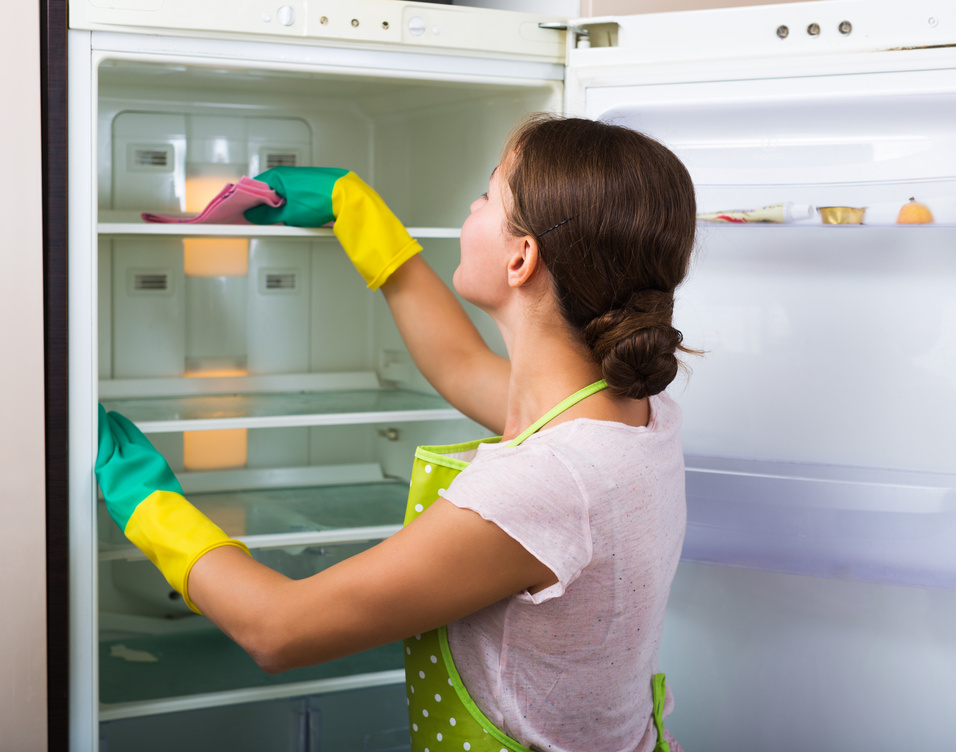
149 168
341 337
433 161
215 323
329 445
274 142
215 140
149 310
278 447
277 314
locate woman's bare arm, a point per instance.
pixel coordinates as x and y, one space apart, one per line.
446 346
446 564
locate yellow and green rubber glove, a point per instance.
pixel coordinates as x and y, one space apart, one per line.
372 236
144 498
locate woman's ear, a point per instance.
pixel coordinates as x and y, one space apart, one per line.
523 262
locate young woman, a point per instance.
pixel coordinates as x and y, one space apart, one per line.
549 554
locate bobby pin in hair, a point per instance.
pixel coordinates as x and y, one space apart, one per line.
554 228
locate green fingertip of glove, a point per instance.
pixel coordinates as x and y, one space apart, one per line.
128 468
144 498
373 237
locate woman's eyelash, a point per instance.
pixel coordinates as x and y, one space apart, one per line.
484 195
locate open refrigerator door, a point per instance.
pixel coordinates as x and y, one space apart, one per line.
818 564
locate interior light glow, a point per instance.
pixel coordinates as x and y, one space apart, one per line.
216 257
215 450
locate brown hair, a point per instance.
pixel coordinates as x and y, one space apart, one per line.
613 213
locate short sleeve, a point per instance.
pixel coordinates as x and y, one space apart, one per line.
531 494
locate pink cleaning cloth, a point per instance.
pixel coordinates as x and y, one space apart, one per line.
228 207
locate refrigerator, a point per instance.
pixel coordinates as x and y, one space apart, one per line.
813 602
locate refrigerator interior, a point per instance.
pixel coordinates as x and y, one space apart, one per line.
254 358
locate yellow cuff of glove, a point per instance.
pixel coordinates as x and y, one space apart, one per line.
174 535
372 236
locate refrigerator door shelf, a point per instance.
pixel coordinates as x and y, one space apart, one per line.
866 524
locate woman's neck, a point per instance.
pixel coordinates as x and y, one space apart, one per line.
547 365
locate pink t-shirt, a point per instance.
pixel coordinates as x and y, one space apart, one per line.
602 505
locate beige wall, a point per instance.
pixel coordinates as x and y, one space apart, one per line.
22 537
627 7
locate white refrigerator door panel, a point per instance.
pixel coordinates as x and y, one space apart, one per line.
823 344
764 661
836 353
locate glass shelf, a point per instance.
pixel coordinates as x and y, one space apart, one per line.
821 226
286 517
137 674
281 510
129 224
224 411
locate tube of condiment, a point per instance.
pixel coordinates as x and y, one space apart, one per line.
785 212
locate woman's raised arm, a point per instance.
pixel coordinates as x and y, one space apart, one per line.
446 346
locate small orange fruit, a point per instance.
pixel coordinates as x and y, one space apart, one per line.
914 213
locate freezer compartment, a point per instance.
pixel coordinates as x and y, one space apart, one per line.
867 524
371 719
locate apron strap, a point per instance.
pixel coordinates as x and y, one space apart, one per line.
579 395
658 693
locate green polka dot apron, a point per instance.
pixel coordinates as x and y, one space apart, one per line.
442 715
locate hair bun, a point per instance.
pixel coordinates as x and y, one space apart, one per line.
636 344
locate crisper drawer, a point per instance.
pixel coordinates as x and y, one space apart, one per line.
373 719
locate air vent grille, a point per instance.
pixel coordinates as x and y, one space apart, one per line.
281 159
280 281
151 157
150 281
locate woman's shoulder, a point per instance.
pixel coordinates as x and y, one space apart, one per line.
664 421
